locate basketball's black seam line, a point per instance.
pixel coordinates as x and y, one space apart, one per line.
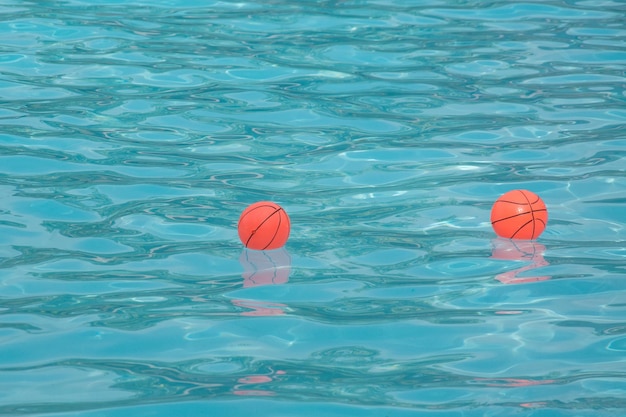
280 219
263 222
257 228
522 226
512 202
532 213
256 208
510 217
519 214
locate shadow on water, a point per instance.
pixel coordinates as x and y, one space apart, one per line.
520 250
270 267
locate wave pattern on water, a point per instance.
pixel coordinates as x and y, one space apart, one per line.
134 133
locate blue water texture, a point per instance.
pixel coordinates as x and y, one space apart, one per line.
134 133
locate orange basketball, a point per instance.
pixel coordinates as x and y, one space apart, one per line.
519 214
264 226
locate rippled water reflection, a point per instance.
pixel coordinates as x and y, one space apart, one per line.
134 133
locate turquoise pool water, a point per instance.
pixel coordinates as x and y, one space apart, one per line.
133 134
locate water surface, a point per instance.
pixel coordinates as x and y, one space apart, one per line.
134 134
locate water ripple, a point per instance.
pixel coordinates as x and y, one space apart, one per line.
134 133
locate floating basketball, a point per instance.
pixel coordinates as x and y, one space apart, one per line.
264 226
519 214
